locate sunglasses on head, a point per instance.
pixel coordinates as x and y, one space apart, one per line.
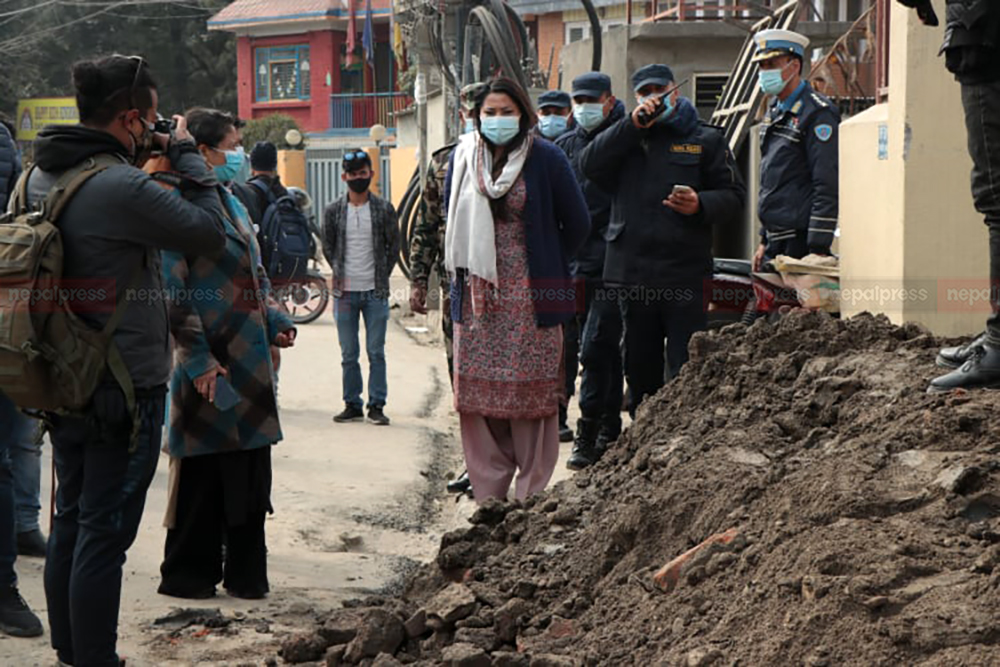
140 61
355 155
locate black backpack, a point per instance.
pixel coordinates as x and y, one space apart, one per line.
286 241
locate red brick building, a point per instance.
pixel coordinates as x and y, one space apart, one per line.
292 59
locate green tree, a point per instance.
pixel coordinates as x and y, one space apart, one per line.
270 128
40 40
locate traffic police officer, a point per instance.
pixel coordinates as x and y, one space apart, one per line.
595 109
553 114
799 154
553 121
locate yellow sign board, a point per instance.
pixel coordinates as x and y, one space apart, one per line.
35 114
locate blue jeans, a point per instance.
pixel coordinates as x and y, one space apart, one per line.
8 536
26 466
347 311
99 503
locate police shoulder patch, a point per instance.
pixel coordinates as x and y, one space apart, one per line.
824 132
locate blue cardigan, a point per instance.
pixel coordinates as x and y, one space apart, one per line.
556 225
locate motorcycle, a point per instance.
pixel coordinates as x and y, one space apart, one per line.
307 299
740 294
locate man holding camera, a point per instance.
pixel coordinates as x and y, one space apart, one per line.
112 231
972 53
361 243
672 178
799 138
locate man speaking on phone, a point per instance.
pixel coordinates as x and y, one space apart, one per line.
671 178
799 143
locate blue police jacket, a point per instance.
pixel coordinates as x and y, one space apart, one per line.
799 168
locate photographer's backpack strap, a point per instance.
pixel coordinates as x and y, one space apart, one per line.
69 183
18 204
115 361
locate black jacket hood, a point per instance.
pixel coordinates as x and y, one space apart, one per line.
59 147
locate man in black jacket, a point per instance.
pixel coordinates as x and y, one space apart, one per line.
112 231
972 54
672 179
595 109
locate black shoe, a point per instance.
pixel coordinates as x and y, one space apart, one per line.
32 544
982 371
16 617
185 593
584 452
460 484
351 413
611 429
377 417
249 594
954 357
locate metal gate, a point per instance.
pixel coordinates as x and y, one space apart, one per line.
324 183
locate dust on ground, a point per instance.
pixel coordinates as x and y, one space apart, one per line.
864 519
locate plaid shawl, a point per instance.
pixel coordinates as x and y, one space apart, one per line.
222 314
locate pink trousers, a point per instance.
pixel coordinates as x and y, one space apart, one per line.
497 449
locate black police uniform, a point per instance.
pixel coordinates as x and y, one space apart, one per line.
657 258
600 322
798 174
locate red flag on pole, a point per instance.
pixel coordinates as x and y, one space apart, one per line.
352 29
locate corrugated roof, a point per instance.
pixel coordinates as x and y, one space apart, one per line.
249 12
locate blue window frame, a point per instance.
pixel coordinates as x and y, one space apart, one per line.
282 73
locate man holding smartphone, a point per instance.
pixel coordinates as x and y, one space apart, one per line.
659 251
799 154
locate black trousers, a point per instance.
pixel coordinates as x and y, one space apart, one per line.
572 335
982 120
222 502
99 503
601 358
651 316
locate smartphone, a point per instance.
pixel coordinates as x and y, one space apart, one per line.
682 189
226 397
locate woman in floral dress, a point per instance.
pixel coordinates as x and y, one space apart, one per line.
516 216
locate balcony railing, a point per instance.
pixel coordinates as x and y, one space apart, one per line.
360 112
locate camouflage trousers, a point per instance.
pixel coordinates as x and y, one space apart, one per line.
448 329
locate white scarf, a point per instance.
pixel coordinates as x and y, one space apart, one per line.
469 239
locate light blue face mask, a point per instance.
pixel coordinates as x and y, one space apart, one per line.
235 159
772 81
552 126
500 130
589 115
668 104
470 126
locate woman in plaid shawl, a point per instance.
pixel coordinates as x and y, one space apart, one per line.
224 412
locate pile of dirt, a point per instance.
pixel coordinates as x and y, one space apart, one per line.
863 520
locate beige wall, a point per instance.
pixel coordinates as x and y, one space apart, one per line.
908 226
292 168
402 163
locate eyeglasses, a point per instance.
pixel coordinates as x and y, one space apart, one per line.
355 155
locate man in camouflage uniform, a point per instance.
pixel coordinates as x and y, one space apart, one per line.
427 245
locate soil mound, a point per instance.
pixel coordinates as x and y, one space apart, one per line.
851 519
